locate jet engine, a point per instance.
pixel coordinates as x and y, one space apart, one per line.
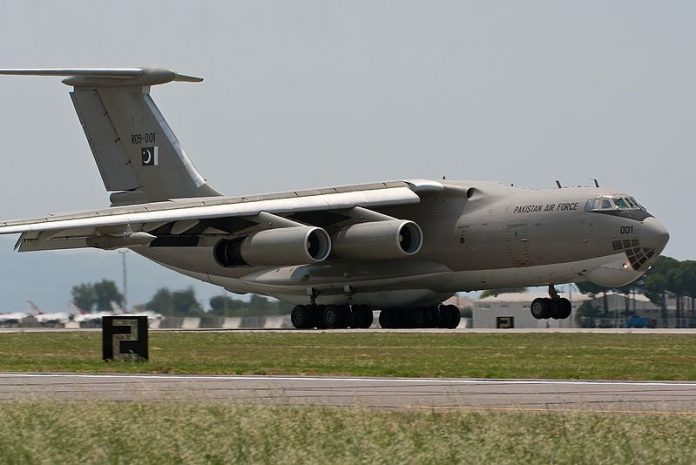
298 245
378 240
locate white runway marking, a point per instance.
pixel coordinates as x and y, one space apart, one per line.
349 379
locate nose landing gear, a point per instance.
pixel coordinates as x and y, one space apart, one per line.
554 306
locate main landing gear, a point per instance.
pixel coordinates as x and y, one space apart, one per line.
554 306
360 316
331 316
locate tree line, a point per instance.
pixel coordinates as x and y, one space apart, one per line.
668 277
99 296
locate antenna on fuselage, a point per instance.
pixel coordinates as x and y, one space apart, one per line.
596 184
558 183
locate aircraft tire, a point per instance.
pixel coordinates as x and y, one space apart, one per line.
435 317
449 317
389 318
331 316
454 317
336 316
541 308
302 317
420 318
564 308
361 316
368 319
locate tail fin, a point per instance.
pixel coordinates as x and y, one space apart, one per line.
139 157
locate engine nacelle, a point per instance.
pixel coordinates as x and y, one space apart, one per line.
378 240
281 246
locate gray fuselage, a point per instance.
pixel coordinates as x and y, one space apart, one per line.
476 235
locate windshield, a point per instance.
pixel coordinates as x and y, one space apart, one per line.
613 202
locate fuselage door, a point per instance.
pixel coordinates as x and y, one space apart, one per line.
517 242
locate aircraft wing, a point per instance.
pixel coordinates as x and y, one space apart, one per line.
182 222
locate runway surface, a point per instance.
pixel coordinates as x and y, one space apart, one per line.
395 393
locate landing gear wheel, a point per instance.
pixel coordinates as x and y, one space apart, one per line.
434 317
564 308
449 317
302 317
336 317
420 318
555 309
541 308
361 316
389 318
318 315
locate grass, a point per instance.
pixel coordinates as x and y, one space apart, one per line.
111 433
559 356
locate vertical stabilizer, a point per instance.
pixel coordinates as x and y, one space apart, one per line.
139 157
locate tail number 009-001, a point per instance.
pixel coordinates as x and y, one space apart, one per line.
147 138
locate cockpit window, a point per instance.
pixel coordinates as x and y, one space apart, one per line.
612 202
637 204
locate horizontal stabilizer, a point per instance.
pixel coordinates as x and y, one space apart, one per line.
107 77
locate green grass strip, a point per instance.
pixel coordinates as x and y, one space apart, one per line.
559 356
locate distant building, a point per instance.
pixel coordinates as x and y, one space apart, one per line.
513 310
634 310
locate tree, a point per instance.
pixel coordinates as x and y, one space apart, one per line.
684 277
593 289
106 292
88 295
657 282
84 297
184 303
222 305
179 303
161 302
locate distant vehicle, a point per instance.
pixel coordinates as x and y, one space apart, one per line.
93 320
635 321
13 319
51 318
337 253
90 320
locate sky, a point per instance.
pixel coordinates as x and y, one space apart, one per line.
312 93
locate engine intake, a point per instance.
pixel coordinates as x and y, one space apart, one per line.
378 240
281 246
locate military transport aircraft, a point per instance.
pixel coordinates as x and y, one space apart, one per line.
337 253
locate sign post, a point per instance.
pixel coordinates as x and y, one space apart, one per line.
124 337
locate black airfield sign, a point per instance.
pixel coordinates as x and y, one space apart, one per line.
124 338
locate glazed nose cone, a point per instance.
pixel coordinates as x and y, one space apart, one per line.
653 235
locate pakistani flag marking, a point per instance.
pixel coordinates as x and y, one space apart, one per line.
150 155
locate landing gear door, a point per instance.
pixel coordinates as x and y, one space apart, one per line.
517 243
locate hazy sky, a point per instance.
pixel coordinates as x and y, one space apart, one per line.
307 93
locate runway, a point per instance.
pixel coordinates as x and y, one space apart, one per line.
391 393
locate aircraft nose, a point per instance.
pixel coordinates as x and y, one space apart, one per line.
653 234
